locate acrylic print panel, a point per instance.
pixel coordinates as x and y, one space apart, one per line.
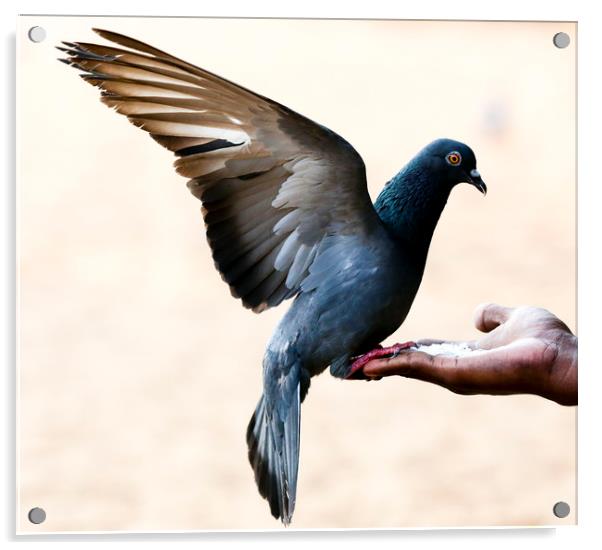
138 372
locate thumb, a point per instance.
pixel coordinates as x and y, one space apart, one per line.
489 316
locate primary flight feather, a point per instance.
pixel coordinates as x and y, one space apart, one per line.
287 214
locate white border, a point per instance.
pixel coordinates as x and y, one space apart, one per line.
589 279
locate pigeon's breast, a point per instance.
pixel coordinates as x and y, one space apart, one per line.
360 297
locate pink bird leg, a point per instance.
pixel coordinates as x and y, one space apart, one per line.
362 360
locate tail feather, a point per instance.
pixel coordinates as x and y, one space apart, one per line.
273 441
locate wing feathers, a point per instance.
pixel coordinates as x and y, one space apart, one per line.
244 187
288 251
273 184
233 262
178 143
163 56
301 263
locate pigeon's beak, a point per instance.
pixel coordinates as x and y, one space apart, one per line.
475 179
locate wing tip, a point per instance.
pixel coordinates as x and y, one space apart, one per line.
132 43
105 33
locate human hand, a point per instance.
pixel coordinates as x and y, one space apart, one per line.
526 350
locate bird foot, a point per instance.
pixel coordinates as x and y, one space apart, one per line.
355 371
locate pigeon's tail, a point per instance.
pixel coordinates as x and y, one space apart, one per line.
273 441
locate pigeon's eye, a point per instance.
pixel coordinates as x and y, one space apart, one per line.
454 158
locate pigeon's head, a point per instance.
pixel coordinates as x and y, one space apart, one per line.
455 161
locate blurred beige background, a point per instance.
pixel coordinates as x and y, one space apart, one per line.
138 372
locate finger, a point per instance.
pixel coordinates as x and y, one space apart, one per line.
442 370
505 370
497 372
489 316
402 364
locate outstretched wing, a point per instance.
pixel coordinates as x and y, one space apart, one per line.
273 183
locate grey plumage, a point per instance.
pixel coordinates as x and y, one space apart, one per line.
287 214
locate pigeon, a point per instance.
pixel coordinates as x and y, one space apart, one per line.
287 215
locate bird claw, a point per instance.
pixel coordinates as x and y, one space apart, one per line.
356 369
